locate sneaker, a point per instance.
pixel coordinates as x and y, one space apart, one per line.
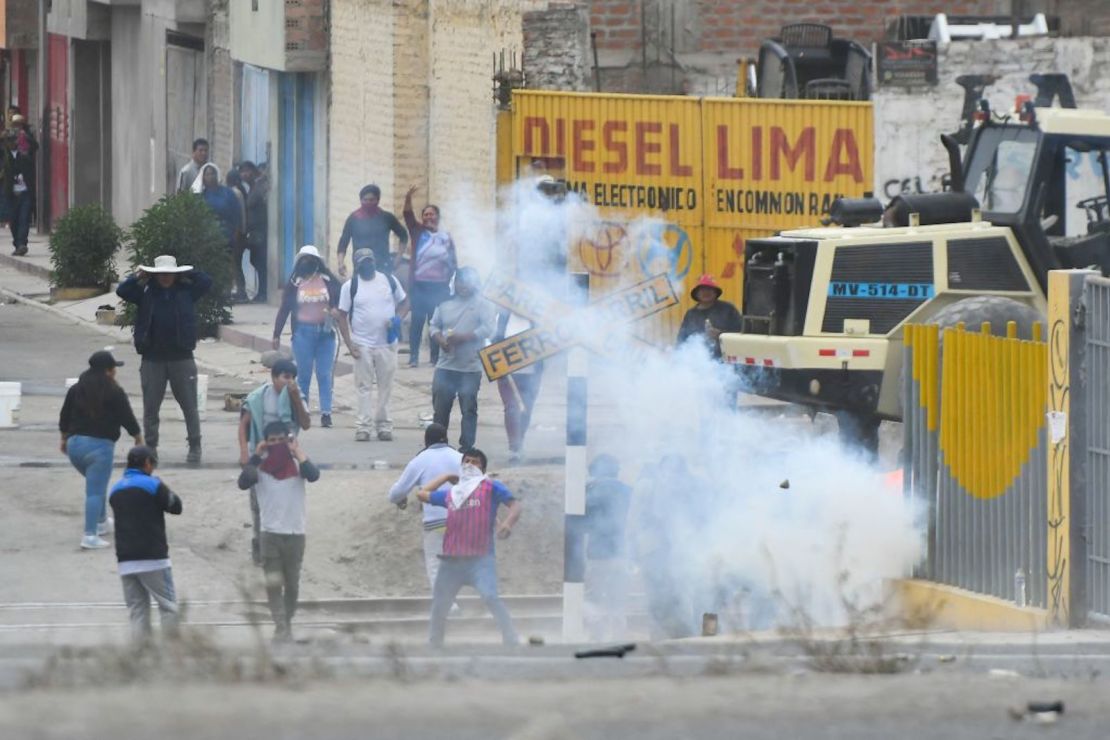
193 456
93 542
515 457
106 527
362 436
414 364
385 436
325 421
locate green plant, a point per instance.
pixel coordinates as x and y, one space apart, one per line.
83 248
185 227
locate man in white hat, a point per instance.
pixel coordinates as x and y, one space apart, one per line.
165 336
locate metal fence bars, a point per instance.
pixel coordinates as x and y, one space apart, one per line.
1096 298
974 410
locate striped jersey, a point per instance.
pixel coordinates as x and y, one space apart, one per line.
470 527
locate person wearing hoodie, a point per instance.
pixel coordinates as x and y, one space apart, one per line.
436 459
140 503
278 400
468 558
277 472
221 199
368 228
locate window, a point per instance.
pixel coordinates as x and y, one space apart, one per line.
1001 168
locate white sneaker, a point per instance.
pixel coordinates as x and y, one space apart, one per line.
92 542
106 527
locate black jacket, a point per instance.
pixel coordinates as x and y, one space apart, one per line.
174 307
140 502
105 423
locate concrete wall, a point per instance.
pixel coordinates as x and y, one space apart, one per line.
139 108
258 36
557 47
908 122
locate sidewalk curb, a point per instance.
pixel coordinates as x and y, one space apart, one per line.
29 268
238 338
115 333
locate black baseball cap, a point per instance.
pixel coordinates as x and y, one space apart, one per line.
103 360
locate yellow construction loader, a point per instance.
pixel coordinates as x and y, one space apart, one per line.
823 308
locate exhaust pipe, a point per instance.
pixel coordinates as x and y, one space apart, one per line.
955 163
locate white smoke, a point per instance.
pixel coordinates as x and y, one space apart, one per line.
727 527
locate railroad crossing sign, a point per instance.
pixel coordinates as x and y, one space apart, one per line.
558 325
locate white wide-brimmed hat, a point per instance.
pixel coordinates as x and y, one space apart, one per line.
165 264
308 251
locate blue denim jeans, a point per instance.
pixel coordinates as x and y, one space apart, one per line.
314 347
92 456
479 572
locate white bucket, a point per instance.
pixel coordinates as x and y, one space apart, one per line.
202 400
10 394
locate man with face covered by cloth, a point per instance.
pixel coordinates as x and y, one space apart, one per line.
371 307
468 557
369 228
278 470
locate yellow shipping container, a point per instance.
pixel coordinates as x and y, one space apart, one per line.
680 183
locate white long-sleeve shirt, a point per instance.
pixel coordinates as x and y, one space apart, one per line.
431 463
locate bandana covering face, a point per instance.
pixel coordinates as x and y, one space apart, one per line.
470 477
279 462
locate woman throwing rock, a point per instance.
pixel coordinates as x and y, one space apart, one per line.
92 414
433 265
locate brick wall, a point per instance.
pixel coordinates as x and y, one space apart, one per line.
739 26
361 121
411 104
557 47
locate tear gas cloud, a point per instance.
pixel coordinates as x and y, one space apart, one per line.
720 533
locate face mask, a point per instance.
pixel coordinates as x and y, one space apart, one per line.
306 268
367 270
471 471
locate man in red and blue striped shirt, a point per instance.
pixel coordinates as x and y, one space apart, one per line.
468 544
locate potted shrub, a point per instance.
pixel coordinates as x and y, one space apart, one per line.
83 250
182 225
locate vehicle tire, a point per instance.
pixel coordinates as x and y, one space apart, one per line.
989 308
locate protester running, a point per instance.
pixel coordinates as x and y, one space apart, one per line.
92 414
140 502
